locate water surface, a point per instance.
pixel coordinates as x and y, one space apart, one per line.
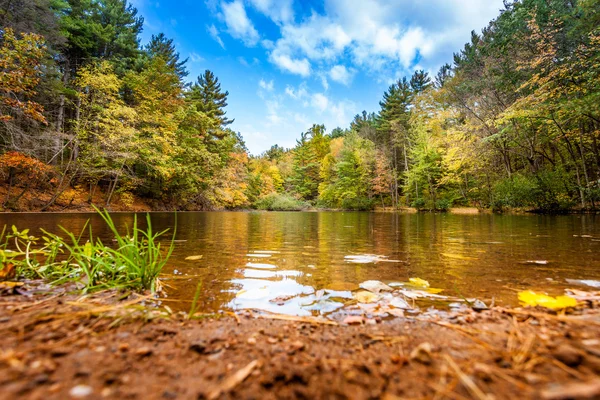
281 262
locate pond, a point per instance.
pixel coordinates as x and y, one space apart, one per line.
291 262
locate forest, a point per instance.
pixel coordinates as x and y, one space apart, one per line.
513 121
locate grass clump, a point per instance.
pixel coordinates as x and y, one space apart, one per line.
134 262
280 202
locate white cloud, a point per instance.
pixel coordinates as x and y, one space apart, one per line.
320 102
296 94
196 58
340 74
295 66
278 10
266 85
379 35
324 82
238 24
214 33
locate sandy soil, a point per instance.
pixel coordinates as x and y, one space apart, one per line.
58 346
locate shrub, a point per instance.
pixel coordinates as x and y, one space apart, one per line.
280 202
358 204
419 204
443 205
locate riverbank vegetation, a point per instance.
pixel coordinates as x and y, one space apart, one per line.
131 261
512 121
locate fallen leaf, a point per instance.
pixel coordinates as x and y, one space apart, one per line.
399 302
419 282
365 297
8 272
193 258
531 298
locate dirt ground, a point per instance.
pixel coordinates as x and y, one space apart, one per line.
60 346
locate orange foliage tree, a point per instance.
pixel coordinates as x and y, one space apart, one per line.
22 170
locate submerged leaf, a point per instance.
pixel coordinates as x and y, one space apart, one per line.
419 282
531 298
194 258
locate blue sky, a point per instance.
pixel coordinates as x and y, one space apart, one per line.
290 63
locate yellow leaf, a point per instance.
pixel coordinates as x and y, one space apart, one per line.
419 282
193 258
531 298
365 297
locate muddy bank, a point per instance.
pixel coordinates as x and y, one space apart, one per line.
60 346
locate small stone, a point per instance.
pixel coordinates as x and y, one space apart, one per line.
59 352
296 346
422 353
272 340
251 340
123 346
398 359
81 391
143 351
353 320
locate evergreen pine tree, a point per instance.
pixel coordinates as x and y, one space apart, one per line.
208 98
161 46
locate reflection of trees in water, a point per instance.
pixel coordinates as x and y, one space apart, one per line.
469 253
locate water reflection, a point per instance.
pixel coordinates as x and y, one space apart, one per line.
306 263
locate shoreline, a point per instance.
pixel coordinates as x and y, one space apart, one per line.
61 345
405 210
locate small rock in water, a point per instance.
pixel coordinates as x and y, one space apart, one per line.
81 391
479 305
353 320
586 282
375 286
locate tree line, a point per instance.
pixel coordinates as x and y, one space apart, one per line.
84 104
512 121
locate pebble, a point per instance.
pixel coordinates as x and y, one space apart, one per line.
251 340
81 391
353 320
143 351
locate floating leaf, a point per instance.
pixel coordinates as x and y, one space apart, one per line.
194 258
531 298
399 302
419 282
365 297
